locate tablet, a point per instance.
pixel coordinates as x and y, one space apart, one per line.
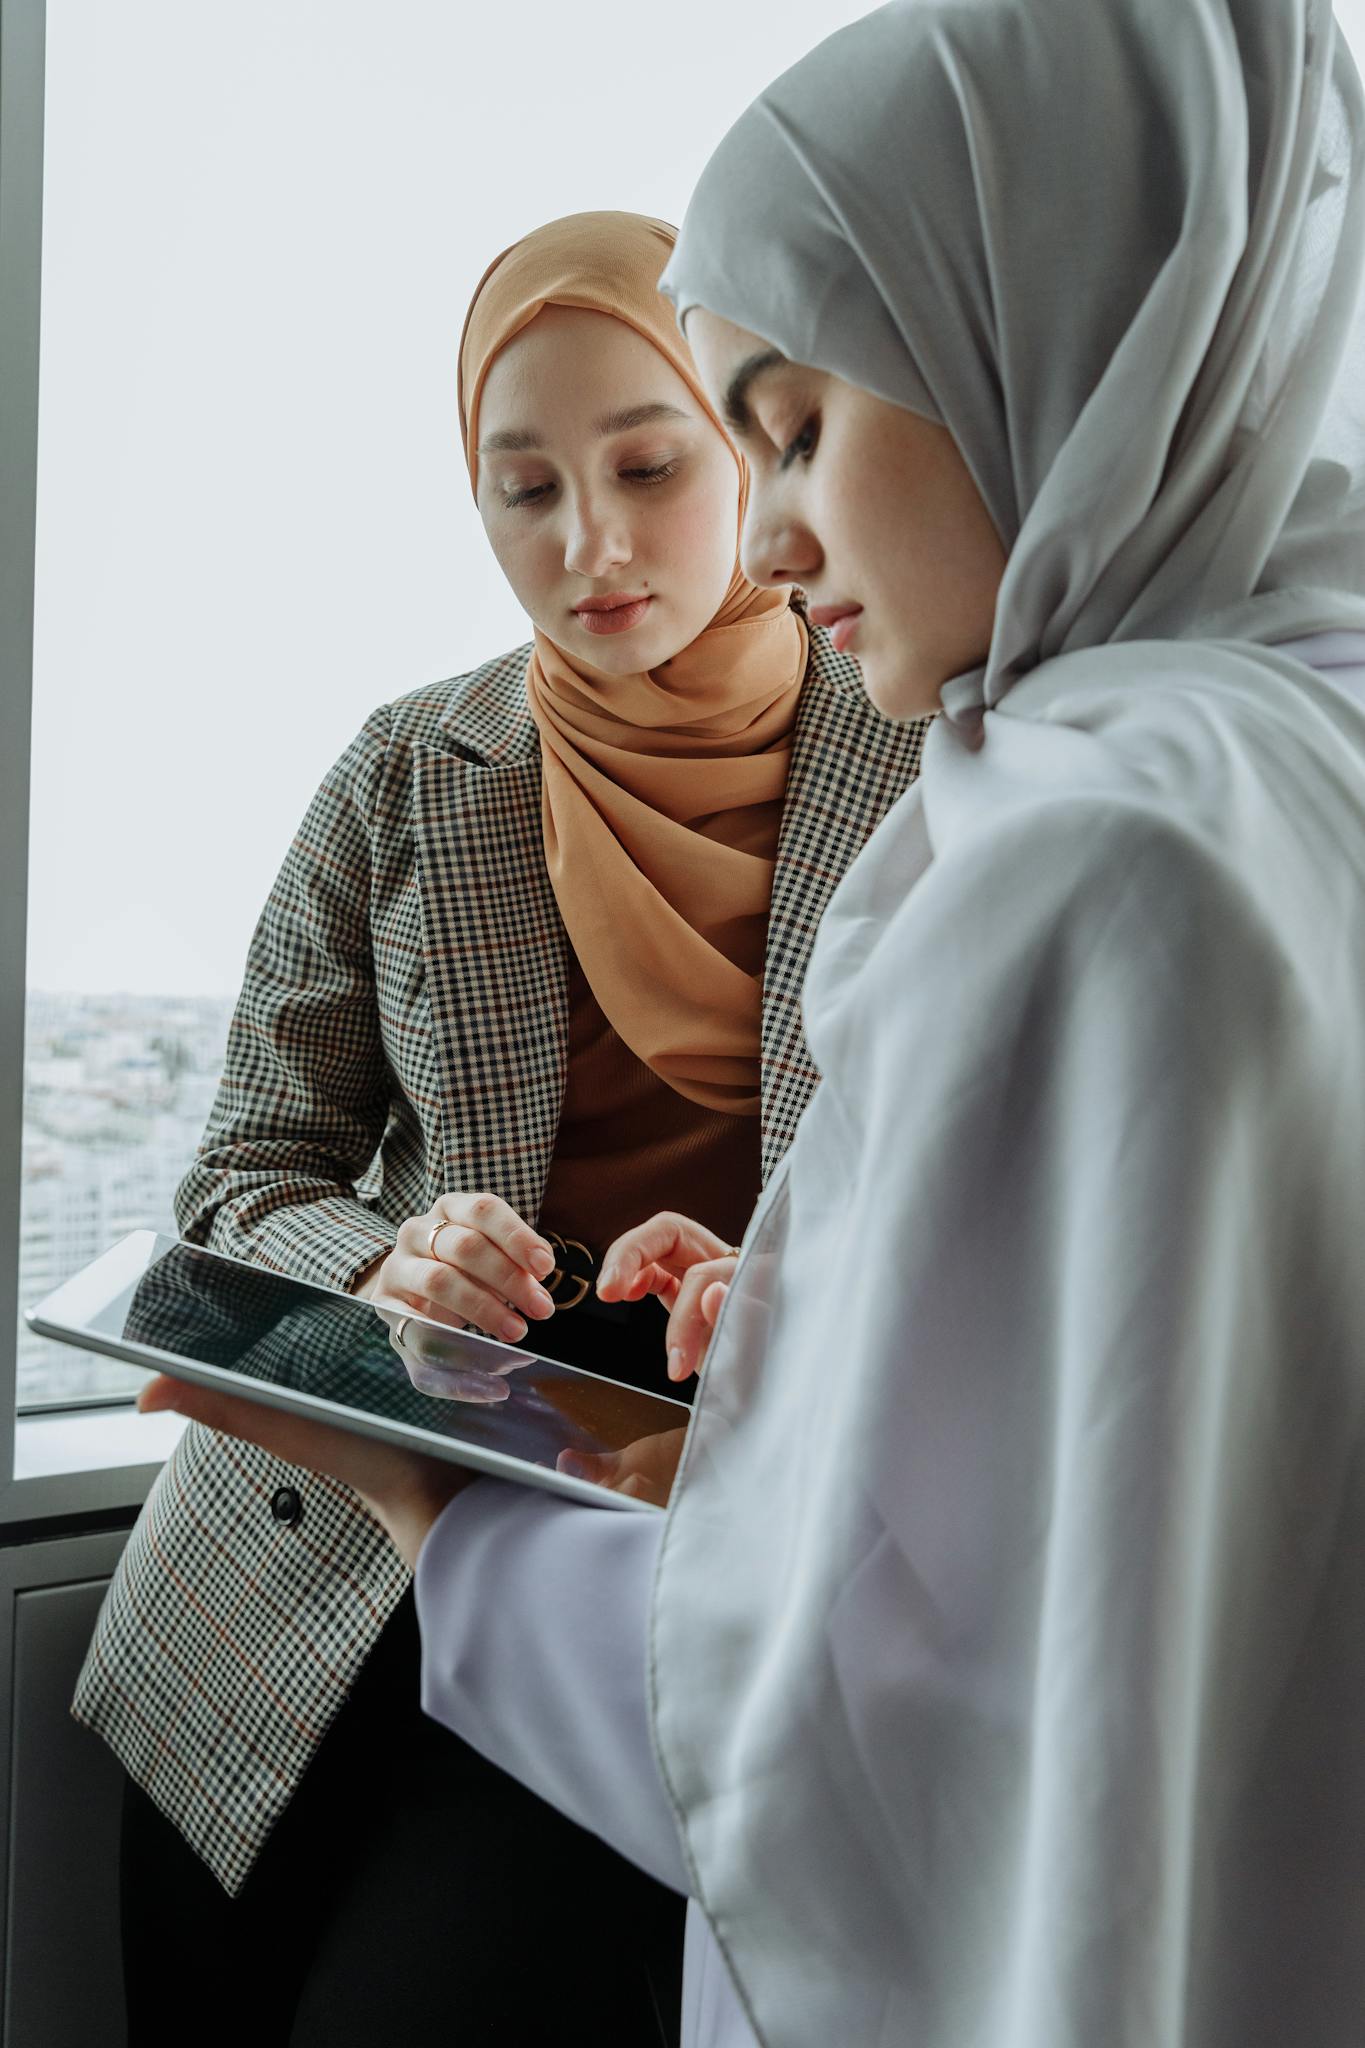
201 1316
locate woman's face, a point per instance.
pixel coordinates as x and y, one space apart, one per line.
610 499
868 507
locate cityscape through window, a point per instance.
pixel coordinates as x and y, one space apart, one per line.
117 1089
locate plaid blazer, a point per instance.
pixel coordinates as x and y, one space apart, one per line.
402 1030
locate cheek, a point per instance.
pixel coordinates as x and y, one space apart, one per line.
527 556
869 523
856 520
697 530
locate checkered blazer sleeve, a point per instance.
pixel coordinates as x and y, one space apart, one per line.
306 1088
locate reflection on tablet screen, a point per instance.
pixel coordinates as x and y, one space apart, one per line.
470 1389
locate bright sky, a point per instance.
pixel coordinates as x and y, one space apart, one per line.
263 222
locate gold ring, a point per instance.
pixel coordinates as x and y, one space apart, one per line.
734 1251
399 1328
433 1234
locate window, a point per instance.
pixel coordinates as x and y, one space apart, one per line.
260 226
117 1088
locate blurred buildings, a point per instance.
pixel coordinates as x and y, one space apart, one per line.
117 1092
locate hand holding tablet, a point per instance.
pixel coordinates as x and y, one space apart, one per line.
337 1371
404 1490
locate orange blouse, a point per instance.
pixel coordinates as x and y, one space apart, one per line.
628 1144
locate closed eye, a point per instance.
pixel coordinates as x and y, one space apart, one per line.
803 446
536 494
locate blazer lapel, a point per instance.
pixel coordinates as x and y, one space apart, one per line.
496 963
849 764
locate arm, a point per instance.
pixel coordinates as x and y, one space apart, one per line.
535 1628
534 1615
306 1090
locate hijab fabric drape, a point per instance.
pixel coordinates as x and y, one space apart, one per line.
1130 294
1007 1661
662 791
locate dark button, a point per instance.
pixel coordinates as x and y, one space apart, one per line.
285 1504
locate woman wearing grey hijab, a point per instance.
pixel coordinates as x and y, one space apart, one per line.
996 1677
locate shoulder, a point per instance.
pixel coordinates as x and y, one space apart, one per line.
480 716
1082 939
1127 902
483 712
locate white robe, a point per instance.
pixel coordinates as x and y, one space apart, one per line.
534 1616
535 1624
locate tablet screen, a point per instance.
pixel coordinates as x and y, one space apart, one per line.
153 1294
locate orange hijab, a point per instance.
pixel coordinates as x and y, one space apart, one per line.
662 791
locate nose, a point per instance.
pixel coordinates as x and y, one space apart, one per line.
598 539
775 547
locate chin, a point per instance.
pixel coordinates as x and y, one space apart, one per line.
632 656
623 656
889 691
897 692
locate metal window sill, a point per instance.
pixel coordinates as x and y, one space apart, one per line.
77 1462
78 1441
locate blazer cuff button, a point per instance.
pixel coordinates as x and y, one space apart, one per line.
285 1504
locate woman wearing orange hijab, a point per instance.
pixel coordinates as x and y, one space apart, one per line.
530 974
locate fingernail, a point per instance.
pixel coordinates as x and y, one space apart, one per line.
675 1363
542 1262
514 1329
541 1300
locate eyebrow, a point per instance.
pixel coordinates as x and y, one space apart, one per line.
521 440
625 418
734 405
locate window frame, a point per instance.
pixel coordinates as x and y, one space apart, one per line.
54 1463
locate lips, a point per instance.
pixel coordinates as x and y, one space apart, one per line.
839 620
617 612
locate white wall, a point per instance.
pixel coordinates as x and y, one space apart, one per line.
263 223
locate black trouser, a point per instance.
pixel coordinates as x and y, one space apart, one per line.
410 1894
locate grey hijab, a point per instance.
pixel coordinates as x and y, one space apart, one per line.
1007 1662
1128 285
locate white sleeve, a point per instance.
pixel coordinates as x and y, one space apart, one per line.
534 1616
